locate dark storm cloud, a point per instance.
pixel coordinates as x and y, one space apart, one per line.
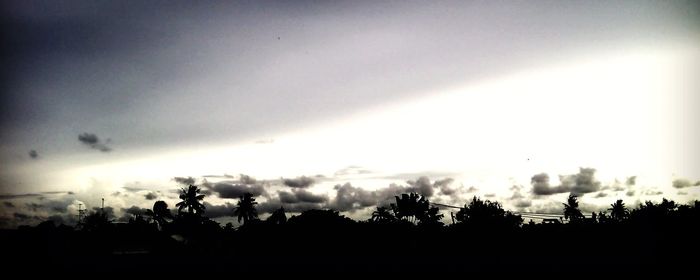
21 217
684 183
231 190
350 198
150 196
135 210
299 182
33 154
578 184
32 206
581 183
217 211
184 180
94 142
301 196
540 185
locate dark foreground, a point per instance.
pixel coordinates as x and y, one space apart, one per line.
659 247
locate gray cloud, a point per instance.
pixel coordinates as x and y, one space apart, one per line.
630 193
8 204
301 196
94 142
581 183
631 181
13 196
135 210
684 183
349 198
234 190
184 180
578 184
490 195
33 154
523 203
653 192
33 206
540 185
217 211
601 194
247 180
351 170
21 216
37 195
299 182
517 195
151 196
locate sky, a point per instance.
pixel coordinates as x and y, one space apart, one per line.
327 104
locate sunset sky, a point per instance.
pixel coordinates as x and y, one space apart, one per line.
314 104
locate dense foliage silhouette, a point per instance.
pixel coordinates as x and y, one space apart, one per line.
407 234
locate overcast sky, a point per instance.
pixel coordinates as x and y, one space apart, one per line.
116 98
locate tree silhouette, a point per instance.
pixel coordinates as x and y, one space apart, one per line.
431 217
487 213
190 200
618 211
96 221
382 215
410 207
159 213
571 210
246 208
278 217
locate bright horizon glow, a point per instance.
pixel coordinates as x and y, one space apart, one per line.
491 134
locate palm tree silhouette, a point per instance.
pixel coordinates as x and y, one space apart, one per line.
246 209
410 207
571 210
190 200
159 213
382 214
618 211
